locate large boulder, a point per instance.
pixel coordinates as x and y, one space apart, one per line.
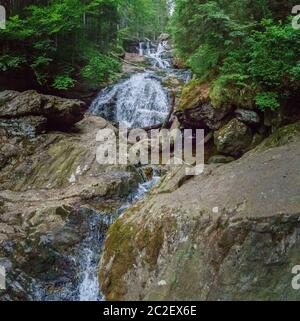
195 108
164 37
31 113
249 117
232 233
234 138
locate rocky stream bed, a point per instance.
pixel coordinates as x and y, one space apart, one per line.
73 229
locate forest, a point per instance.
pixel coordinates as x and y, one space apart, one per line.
53 43
247 45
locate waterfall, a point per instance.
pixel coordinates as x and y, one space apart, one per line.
157 57
83 261
141 49
138 102
90 253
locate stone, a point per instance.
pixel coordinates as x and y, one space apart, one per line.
232 233
196 110
179 64
164 37
234 138
249 117
29 126
59 112
7 95
44 215
257 139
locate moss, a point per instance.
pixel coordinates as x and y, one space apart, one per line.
152 241
282 136
193 94
118 245
172 83
124 244
224 93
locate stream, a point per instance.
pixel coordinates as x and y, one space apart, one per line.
140 100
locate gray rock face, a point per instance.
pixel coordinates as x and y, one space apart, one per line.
205 115
29 126
195 108
30 112
49 187
247 116
232 233
234 138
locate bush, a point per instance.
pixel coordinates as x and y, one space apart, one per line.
63 82
267 100
101 69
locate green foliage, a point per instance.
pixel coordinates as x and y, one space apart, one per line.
46 36
267 100
143 18
100 69
203 60
246 48
8 62
63 82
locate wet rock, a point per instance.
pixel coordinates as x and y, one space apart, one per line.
234 138
29 126
179 64
173 84
164 37
19 108
148 172
229 234
249 117
196 110
44 214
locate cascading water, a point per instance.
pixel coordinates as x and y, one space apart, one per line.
81 282
138 102
157 57
90 257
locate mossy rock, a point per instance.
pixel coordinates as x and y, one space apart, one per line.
224 93
193 94
234 138
196 110
284 135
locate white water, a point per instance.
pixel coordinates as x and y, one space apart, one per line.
138 102
156 57
89 287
